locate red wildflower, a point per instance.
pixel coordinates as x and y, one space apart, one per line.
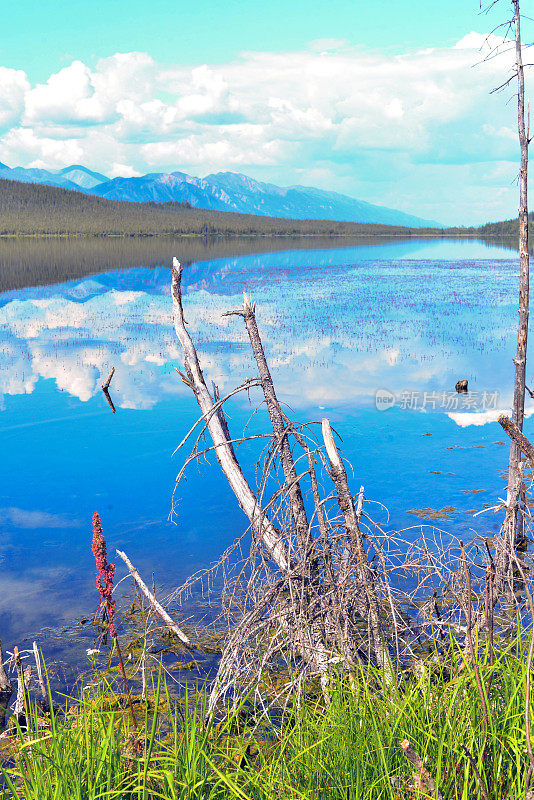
106 572
104 584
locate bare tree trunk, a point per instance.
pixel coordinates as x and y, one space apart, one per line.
358 556
507 541
223 450
309 635
280 428
318 653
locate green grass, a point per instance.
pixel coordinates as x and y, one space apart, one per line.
349 749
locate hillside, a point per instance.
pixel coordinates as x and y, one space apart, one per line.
230 191
222 191
42 260
35 209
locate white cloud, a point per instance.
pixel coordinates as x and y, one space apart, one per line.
467 418
363 121
14 86
316 356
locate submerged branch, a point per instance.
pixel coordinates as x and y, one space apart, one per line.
153 602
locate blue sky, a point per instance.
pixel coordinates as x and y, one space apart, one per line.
45 35
379 99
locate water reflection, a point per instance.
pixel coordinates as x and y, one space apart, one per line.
336 327
409 318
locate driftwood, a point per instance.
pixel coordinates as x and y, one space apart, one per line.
153 602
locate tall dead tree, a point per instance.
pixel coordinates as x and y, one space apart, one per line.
513 521
308 640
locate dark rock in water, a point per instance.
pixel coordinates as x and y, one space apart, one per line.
461 387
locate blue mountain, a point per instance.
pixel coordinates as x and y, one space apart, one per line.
222 191
81 176
74 177
230 191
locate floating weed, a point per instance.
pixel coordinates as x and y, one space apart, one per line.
433 513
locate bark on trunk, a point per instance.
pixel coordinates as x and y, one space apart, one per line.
519 438
280 428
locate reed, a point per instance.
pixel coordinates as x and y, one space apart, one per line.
355 747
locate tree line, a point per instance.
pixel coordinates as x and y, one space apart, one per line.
33 209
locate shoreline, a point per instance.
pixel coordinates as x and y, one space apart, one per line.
409 234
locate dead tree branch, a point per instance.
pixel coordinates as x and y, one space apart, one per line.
169 622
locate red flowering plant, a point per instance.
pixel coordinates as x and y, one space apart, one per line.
105 573
104 584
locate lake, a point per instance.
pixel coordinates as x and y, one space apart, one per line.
373 336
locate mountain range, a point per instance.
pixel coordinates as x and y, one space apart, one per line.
222 191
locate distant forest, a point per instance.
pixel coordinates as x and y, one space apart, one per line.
505 229
29 209
36 210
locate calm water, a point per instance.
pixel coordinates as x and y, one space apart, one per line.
405 319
